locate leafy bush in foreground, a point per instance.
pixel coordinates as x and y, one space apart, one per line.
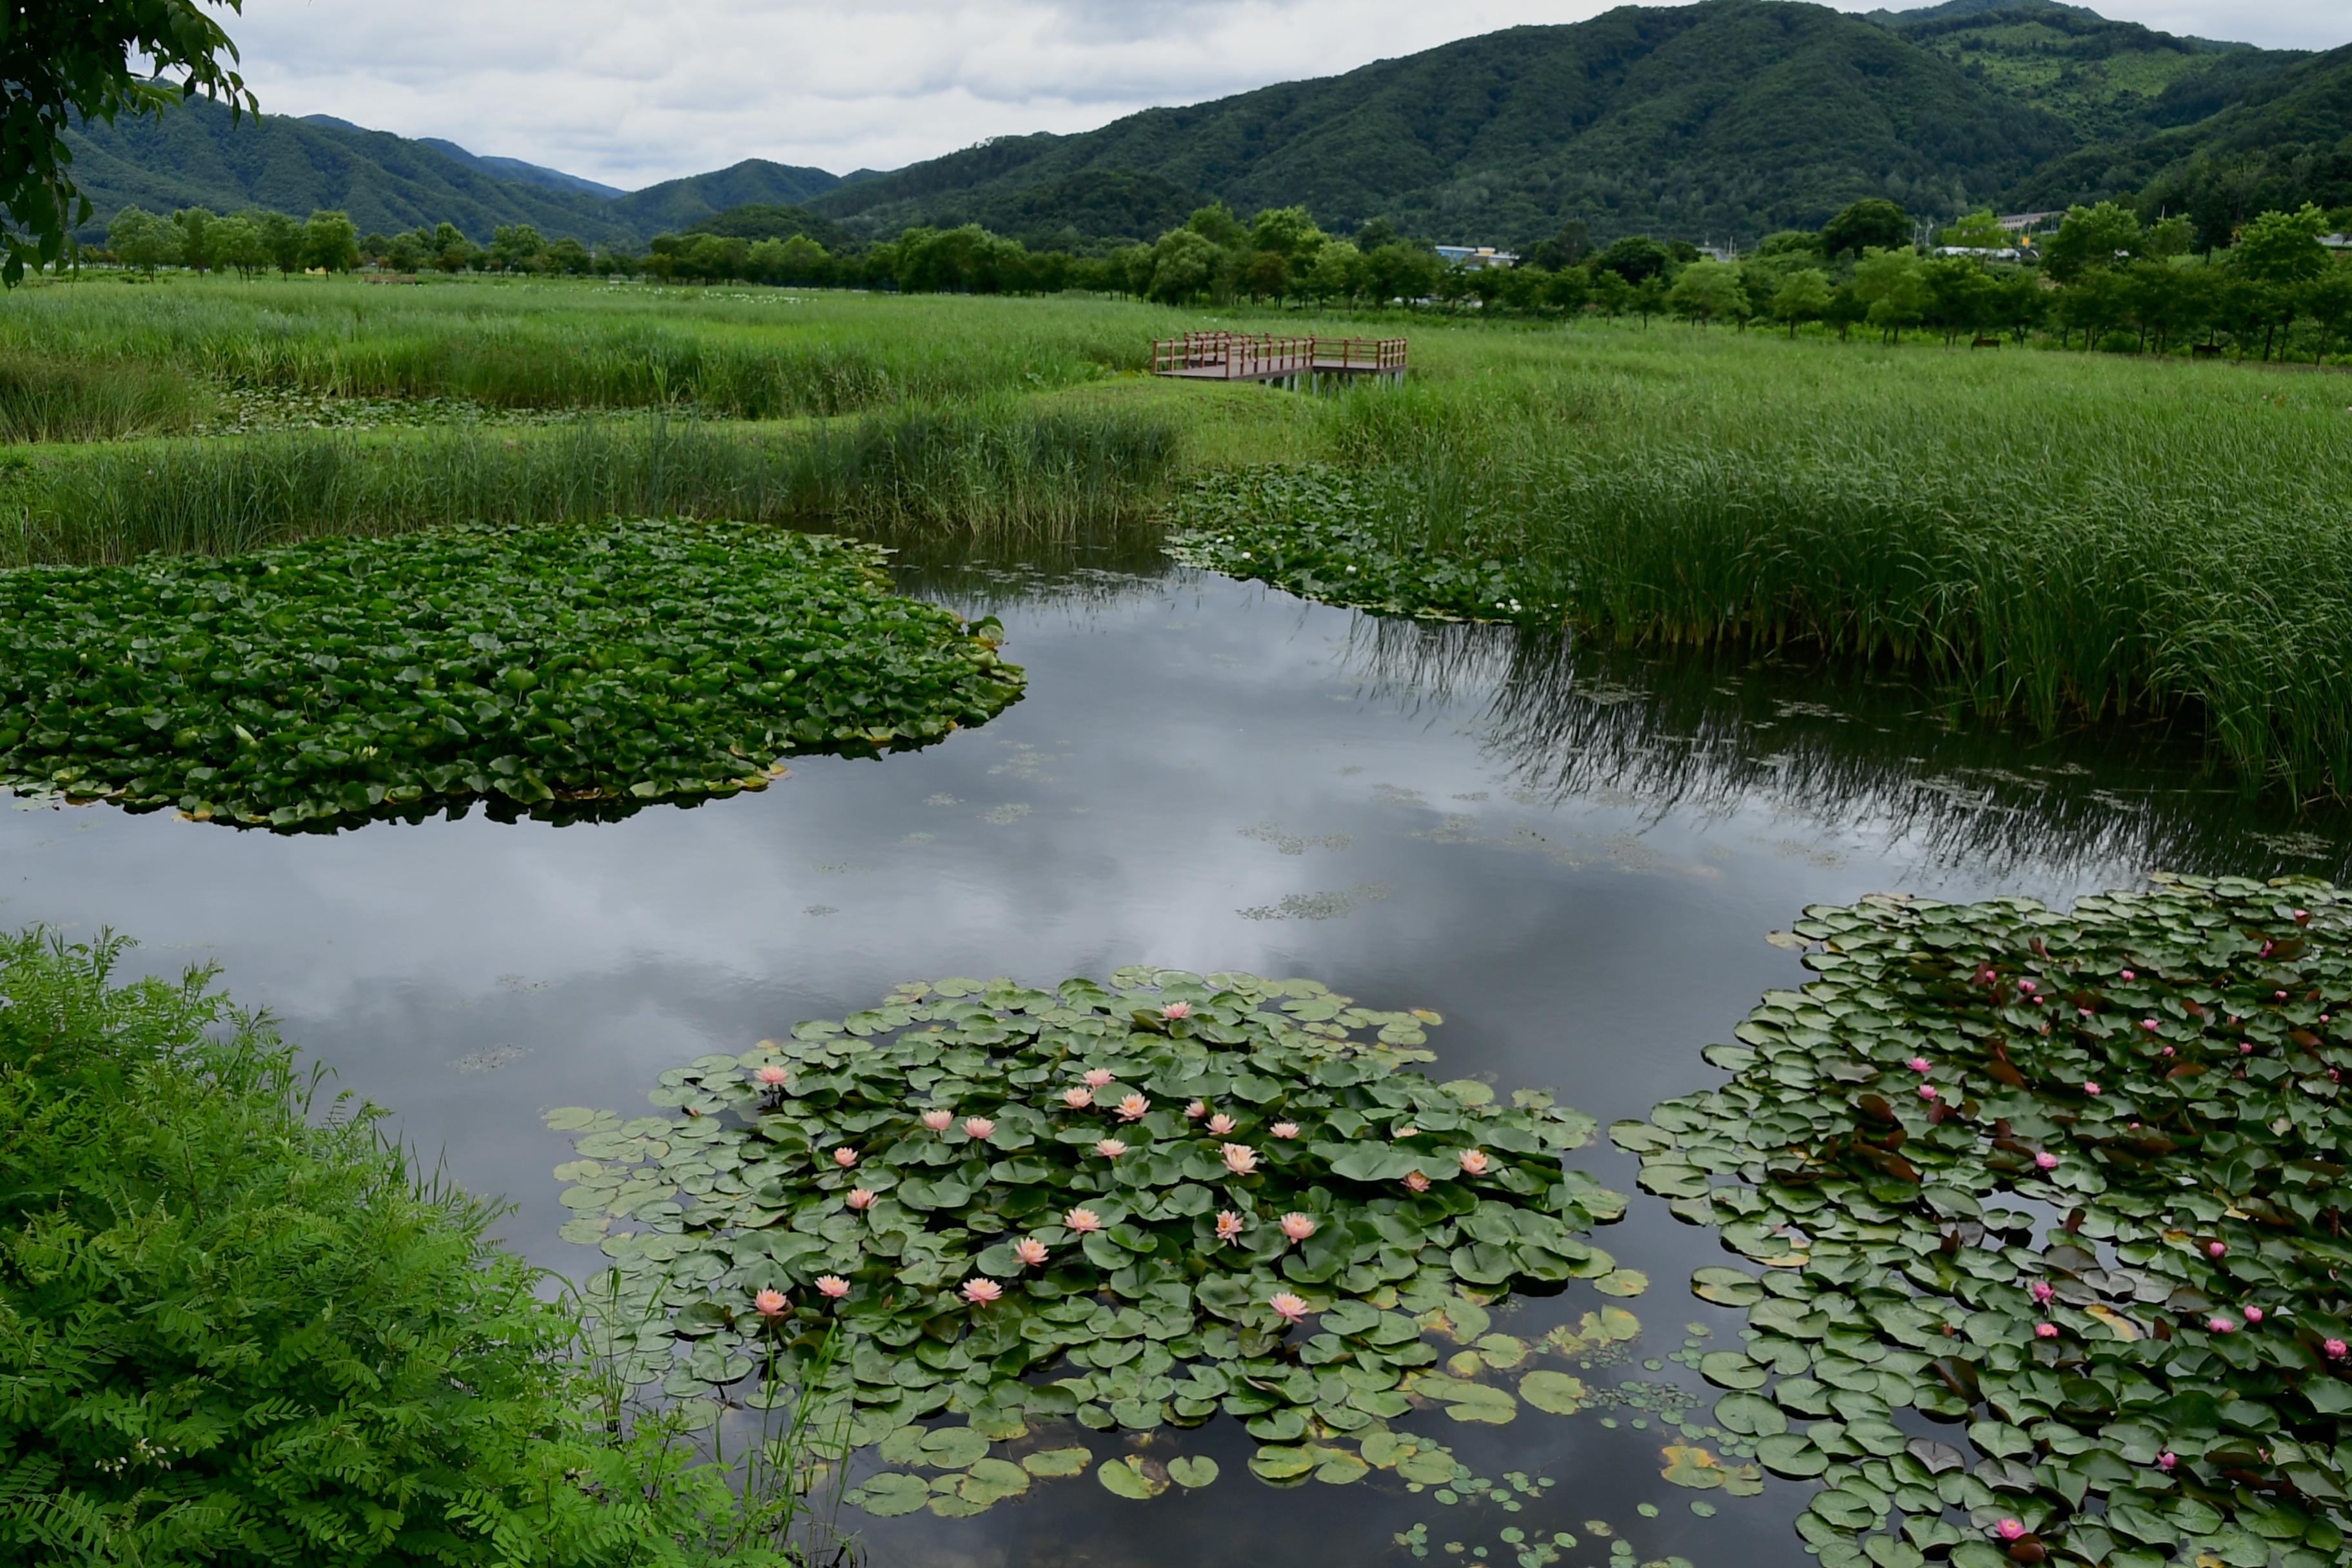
551 668
2071 1183
229 1335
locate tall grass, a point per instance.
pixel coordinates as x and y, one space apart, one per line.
758 353
2062 541
999 472
47 398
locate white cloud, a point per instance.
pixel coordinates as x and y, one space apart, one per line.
630 93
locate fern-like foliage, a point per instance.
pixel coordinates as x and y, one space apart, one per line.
235 1327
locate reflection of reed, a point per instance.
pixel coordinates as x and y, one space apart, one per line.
1710 736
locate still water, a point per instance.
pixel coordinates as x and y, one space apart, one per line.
1575 857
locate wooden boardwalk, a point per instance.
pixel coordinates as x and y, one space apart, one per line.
1293 362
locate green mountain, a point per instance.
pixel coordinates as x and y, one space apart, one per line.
2285 141
2105 80
675 204
1731 116
515 168
194 155
1724 118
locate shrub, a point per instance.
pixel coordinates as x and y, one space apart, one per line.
233 1333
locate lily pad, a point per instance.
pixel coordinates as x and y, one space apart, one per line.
1192 1470
1131 1478
1054 1462
1556 1392
890 1494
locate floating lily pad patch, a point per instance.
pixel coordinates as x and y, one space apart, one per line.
1127 1206
2064 1189
1317 531
583 669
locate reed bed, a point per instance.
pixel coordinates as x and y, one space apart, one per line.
1002 474
760 354
2061 541
48 398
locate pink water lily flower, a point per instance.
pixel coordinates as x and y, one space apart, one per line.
2090 1089
2217 1249
2046 1331
1133 1108
980 1292
2041 1291
2221 1325
1229 1226
2334 1350
2045 1161
1197 1109
2028 987
937 1121
977 1127
1415 1182
770 1303
2129 975
1077 1099
1031 1251
1175 1010
1082 1220
772 1076
845 1156
832 1287
1474 1162
2251 1314
2151 1024
1219 1124
859 1198
1240 1159
1287 1307
1097 1076
2010 1530
1297 1226
1927 1092
1286 1130
1111 1148
1921 1064
2166 1461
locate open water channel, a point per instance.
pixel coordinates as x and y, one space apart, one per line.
1575 857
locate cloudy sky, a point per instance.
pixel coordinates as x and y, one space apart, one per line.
631 92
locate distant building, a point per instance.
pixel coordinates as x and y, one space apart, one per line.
1476 256
2336 241
1982 252
2029 223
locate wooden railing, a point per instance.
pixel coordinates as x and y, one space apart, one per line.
1244 357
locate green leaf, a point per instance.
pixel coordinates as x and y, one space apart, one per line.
890 1494
1192 1470
1131 1478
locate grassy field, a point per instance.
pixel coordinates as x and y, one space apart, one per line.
2066 537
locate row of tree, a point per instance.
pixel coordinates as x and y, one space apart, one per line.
2102 272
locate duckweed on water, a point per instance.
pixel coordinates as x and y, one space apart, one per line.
1121 1204
596 668
2071 1184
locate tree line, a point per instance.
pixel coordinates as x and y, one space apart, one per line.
2269 286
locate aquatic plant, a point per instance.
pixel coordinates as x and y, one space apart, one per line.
2071 1183
596 668
944 1161
1320 532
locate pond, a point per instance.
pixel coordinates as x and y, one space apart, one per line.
1575 857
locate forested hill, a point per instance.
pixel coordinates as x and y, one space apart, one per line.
194 155
1725 118
2287 141
1729 116
2107 81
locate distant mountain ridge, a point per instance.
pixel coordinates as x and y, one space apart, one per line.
516 169
1723 118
